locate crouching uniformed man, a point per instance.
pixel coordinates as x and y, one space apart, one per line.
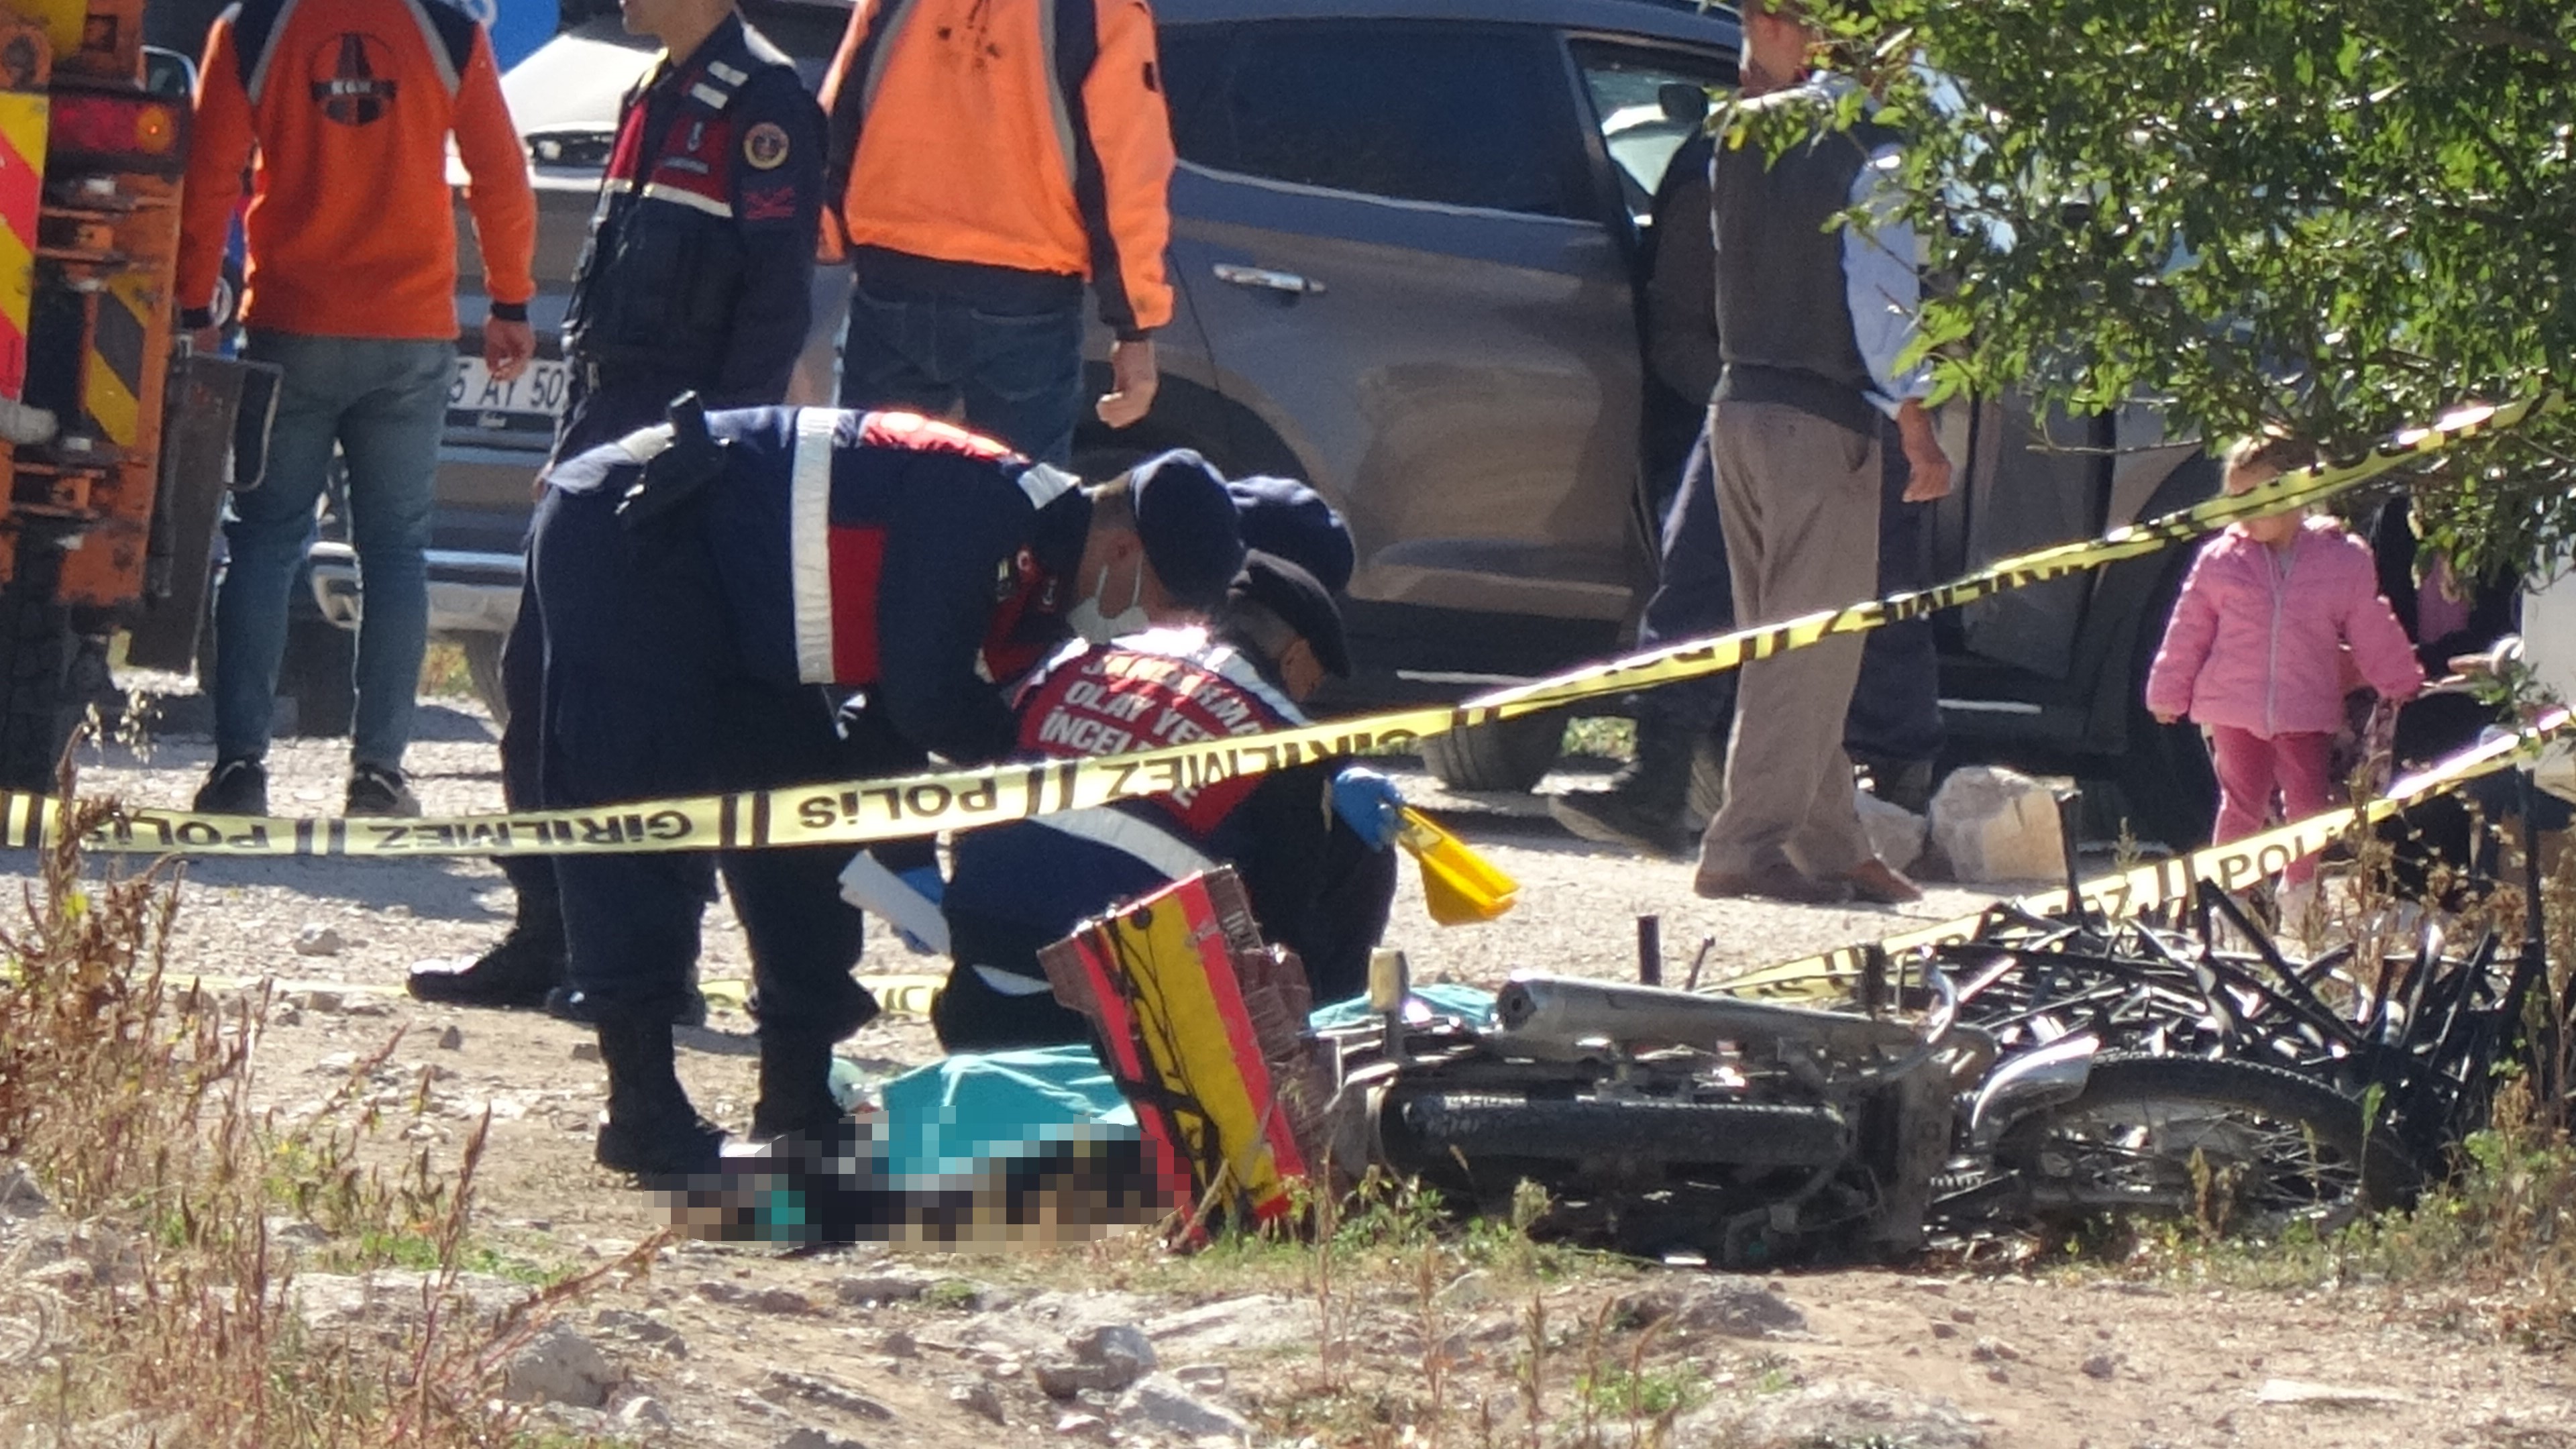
696 277
702 586
1310 843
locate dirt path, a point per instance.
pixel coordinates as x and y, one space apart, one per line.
725 1346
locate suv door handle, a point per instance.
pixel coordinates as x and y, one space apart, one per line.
1288 282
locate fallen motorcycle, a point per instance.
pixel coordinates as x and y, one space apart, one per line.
1667 1123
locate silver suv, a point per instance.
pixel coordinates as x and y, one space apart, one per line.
1407 241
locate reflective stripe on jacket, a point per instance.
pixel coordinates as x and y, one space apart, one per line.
880 551
1029 134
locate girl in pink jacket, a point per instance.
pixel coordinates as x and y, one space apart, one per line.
2255 652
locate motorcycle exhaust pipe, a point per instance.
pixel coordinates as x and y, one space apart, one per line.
1555 1018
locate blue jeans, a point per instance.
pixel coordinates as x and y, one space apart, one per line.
1015 367
383 402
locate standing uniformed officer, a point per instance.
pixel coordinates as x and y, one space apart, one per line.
696 278
698 584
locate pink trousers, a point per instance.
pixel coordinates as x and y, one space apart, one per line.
2253 770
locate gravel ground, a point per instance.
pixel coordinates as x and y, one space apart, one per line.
699 1352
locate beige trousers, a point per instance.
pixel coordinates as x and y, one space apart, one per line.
1798 497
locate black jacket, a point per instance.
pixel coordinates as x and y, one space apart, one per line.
698 268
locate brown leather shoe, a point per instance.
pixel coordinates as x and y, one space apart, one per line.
1877 881
1778 883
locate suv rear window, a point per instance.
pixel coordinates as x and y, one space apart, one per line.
1465 115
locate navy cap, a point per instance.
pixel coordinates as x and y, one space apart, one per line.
1284 517
1302 603
1186 520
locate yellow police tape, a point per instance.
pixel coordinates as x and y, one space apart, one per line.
900 994
2232 866
860 811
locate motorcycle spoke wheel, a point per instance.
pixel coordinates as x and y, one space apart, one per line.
2239 1147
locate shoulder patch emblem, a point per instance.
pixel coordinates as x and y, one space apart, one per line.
765 146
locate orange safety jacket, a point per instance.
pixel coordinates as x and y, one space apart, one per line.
1029 134
347 106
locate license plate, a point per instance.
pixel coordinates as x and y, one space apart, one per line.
529 402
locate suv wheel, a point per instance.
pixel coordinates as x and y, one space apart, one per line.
1510 756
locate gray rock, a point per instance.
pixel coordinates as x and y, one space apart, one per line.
643 1415
1994 1350
585 1051
817 1439
319 940
814 1389
451 1038
20 1197
1163 1402
1234 1325
559 1366
899 1344
641 1328
1701 1303
1835 1413
1896 833
296 1233
2101 1366
895 1284
1207 1378
761 1300
979 1397
1107 1358
1074 1424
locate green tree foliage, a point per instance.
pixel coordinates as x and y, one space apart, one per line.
2330 217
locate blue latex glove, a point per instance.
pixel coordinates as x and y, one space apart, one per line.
926 882
1368 803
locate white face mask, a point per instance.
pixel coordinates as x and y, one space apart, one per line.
1099 626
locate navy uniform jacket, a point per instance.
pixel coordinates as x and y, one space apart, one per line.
883 552
697 272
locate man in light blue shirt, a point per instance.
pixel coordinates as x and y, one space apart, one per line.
1811 321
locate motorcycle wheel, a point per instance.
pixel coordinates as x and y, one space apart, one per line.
2238 1146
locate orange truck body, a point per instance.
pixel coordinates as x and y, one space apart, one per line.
89 223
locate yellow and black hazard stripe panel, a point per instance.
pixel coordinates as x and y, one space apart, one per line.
112 383
22 196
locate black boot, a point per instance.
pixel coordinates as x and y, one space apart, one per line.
796 1088
520 971
1644 806
651 1129
567 1003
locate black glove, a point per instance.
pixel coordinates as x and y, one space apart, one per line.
675 474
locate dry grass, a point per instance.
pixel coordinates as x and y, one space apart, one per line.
172 1318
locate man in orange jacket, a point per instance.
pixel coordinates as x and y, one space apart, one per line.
986 158
345 107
